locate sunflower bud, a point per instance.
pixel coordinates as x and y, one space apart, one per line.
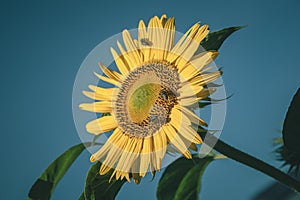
290 150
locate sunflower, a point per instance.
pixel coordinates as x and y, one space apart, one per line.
151 104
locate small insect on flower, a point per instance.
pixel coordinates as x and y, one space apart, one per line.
153 118
151 102
164 94
146 42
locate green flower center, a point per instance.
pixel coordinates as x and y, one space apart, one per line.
142 101
146 98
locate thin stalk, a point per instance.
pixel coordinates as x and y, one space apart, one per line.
252 162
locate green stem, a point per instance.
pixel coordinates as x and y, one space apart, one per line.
251 161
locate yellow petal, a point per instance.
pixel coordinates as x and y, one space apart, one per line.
201 60
193 147
178 117
142 33
177 49
176 141
130 153
182 124
111 158
143 36
194 67
205 93
117 135
154 30
190 45
126 175
97 96
110 73
190 134
189 101
108 80
153 160
155 33
98 107
163 19
204 79
131 49
101 125
100 90
145 156
112 176
104 169
183 44
136 150
201 33
188 90
116 151
135 169
122 63
160 143
118 174
169 35
191 115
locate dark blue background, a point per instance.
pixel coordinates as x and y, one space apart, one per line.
43 45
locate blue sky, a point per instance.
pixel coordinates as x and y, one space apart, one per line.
44 43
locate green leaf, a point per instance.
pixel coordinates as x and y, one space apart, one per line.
81 197
204 104
214 40
182 179
46 183
98 186
97 136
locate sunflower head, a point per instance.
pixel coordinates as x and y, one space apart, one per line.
152 98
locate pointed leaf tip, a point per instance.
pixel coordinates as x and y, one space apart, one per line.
214 40
46 183
182 179
99 187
